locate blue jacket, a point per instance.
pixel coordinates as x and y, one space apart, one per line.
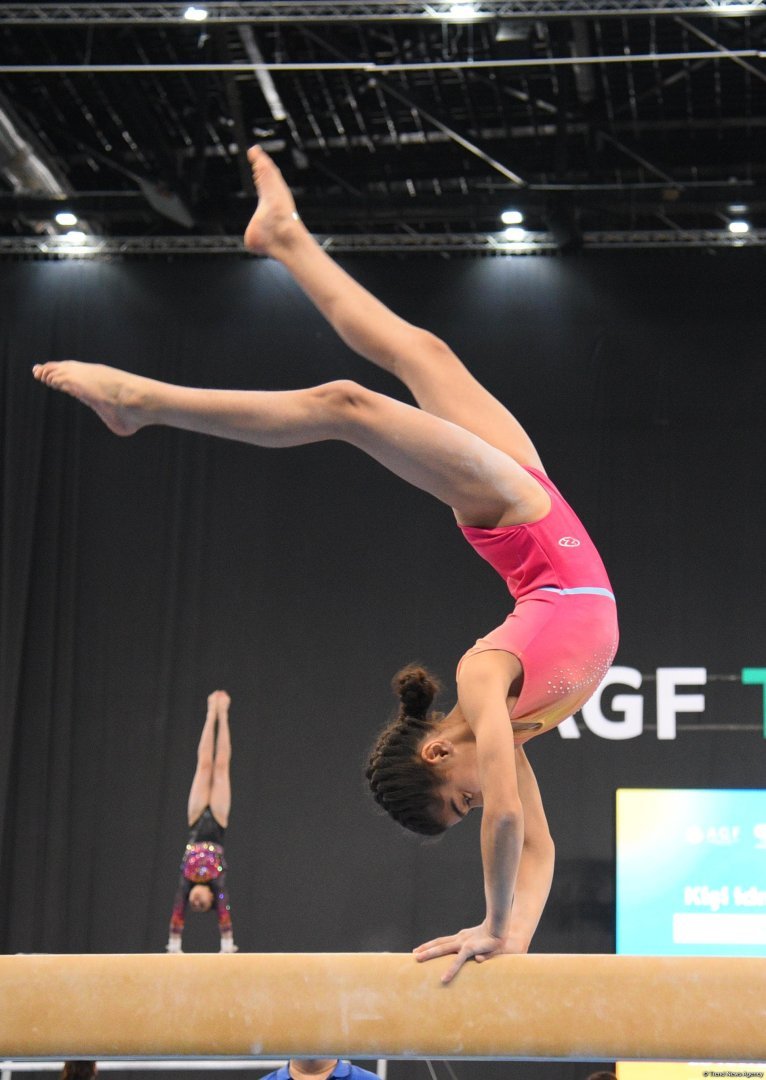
344 1070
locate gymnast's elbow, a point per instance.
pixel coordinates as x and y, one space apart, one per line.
504 816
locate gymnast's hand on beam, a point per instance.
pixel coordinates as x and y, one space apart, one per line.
475 943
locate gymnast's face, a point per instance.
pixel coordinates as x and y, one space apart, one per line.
201 898
459 791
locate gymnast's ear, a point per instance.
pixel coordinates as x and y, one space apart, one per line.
437 751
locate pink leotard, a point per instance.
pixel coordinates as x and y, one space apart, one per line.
564 626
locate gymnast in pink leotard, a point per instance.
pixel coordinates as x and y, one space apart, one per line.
463 447
563 628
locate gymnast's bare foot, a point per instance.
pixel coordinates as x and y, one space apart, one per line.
116 396
275 221
219 701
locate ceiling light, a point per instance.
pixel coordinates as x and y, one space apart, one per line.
464 12
73 244
515 234
513 30
195 14
735 7
511 217
65 217
737 208
739 228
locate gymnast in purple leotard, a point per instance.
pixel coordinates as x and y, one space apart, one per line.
467 450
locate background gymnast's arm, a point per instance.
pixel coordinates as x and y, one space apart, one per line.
178 916
223 913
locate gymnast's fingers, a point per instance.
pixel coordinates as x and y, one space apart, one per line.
464 954
437 947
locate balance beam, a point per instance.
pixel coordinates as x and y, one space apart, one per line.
383 1005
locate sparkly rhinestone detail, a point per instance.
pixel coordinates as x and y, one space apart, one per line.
202 862
585 677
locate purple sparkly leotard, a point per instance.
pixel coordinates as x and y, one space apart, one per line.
203 863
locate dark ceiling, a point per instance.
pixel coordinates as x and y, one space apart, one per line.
398 125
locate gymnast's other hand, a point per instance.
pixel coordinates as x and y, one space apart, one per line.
474 943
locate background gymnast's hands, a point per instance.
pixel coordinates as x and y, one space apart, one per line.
474 943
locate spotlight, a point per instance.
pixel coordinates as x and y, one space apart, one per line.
513 30
735 7
65 217
511 217
75 236
515 234
739 228
464 12
195 14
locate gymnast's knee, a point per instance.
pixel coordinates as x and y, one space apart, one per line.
343 400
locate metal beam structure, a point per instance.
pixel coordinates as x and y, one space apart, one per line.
534 243
375 105
284 11
367 67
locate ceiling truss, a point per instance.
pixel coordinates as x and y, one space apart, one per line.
397 125
286 11
381 243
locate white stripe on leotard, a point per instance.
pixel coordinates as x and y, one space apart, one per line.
585 590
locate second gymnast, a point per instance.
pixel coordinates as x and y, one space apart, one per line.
202 884
467 450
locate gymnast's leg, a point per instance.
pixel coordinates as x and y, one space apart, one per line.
452 448
202 782
220 805
485 487
437 379
220 788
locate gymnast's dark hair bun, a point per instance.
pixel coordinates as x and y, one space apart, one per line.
401 782
416 689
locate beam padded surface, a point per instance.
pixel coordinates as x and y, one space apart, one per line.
370 1005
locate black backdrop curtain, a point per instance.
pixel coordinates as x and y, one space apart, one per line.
137 575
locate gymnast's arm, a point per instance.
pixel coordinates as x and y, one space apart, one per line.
223 913
533 880
178 915
483 689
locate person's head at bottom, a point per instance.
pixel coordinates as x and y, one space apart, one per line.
423 768
313 1067
79 1070
201 898
321 1069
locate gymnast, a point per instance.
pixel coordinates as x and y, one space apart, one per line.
467 450
202 885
